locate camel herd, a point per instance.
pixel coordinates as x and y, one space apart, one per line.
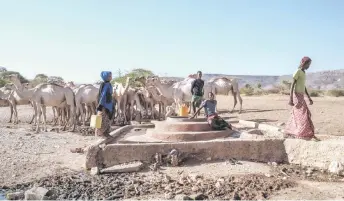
73 105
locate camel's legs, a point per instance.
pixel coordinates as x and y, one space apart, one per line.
235 101
38 117
11 108
54 114
15 121
35 113
240 101
44 111
83 114
72 116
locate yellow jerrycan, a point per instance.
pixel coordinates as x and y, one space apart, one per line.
96 121
183 111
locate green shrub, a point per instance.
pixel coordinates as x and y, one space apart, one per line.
335 92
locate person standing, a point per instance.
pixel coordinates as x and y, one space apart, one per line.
300 124
197 91
105 106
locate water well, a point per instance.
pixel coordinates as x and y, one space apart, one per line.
194 136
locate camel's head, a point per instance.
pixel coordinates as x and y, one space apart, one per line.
27 85
13 77
152 81
9 86
140 79
70 84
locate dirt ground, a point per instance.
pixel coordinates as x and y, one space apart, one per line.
26 156
274 109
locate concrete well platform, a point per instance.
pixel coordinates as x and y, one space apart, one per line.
268 146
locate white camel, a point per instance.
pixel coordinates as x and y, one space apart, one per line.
47 95
223 85
5 96
16 98
86 95
180 91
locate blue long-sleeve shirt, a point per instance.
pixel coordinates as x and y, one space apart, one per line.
105 97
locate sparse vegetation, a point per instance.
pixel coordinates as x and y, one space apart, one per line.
335 92
247 90
316 93
135 73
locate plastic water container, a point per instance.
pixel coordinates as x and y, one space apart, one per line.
183 111
96 121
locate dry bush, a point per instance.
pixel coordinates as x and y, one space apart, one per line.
316 93
274 90
247 91
335 92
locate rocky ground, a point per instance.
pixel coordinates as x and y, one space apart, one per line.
46 156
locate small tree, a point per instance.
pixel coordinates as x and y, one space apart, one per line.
5 74
135 73
259 86
39 78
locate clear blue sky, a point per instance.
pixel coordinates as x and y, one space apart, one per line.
76 39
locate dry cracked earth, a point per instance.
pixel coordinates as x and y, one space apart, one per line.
45 159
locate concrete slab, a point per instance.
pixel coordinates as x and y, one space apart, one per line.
188 136
182 126
251 124
257 150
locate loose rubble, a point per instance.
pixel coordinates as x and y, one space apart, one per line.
156 185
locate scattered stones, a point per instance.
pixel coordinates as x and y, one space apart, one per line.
182 197
38 193
15 196
194 188
130 167
81 186
198 197
336 167
169 196
77 150
95 171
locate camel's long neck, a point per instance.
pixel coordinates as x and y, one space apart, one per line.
18 85
26 94
126 87
162 88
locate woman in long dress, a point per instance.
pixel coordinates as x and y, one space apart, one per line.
105 106
300 124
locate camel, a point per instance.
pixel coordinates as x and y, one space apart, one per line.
120 93
5 96
47 95
156 94
16 98
86 95
223 85
179 91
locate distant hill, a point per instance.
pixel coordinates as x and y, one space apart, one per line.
333 79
